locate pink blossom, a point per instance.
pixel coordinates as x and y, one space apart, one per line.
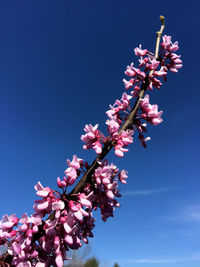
143 61
127 137
150 112
130 70
129 84
58 205
60 183
91 133
136 91
122 140
113 125
168 45
41 191
123 176
91 138
75 163
36 219
161 72
175 63
140 52
59 260
83 199
77 209
153 82
8 222
119 150
153 64
97 147
71 173
24 264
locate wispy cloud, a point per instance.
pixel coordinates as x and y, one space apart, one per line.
188 214
181 232
146 192
166 260
192 213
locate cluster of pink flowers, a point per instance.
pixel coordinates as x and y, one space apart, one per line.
167 61
92 138
63 221
149 71
117 114
72 172
106 179
150 112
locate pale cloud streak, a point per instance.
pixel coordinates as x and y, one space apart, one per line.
146 192
192 213
188 214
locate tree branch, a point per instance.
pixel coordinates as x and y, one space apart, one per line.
127 125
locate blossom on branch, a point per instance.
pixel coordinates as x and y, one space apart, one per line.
64 220
150 112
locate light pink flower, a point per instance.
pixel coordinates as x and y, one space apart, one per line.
75 163
58 205
140 52
129 84
91 138
113 125
123 176
153 65
150 112
83 199
168 45
41 191
97 146
8 222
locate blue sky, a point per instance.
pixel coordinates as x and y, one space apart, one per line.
61 65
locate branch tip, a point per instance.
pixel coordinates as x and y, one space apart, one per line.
162 18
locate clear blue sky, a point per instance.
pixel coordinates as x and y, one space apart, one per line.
61 65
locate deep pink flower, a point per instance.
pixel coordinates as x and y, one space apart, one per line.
136 91
60 183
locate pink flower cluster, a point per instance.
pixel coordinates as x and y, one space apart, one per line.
63 221
122 140
70 226
148 63
106 188
72 172
117 114
150 112
92 138
149 71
